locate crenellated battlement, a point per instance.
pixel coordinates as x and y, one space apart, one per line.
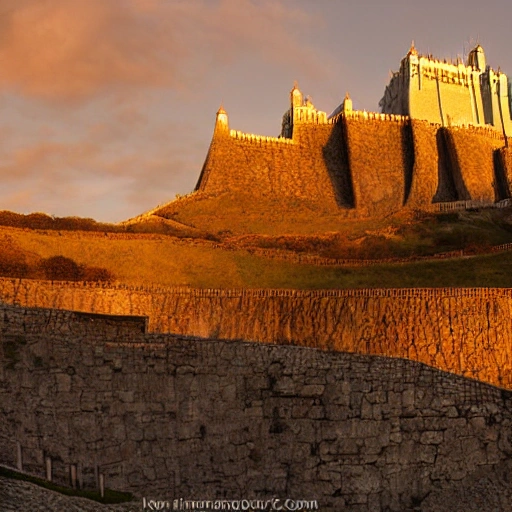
486 131
258 139
363 115
307 114
454 73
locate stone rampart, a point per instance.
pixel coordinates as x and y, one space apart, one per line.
425 176
169 417
274 169
466 331
475 173
506 164
381 156
362 164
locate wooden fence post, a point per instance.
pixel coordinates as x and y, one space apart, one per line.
72 470
49 469
19 457
102 485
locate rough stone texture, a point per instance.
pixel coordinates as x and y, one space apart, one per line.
276 169
171 417
465 331
359 165
486 489
381 157
474 174
506 166
426 164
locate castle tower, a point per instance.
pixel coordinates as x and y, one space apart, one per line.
347 103
220 136
221 122
412 50
476 58
296 98
450 93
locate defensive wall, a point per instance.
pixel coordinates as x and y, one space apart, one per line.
171 417
505 160
279 168
466 331
381 156
361 164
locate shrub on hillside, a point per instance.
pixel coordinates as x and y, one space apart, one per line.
38 221
12 268
60 268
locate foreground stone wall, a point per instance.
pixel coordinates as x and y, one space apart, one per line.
172 417
464 331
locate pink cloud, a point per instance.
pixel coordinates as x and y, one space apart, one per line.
59 49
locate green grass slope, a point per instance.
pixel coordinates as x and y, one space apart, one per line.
138 259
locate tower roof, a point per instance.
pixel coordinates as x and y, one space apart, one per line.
295 87
412 50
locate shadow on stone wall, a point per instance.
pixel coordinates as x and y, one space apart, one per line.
335 153
408 159
449 175
501 185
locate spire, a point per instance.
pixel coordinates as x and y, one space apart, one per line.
222 122
296 98
347 103
412 50
476 58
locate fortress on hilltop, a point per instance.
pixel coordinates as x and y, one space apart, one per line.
441 141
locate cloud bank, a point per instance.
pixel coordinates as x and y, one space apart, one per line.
74 49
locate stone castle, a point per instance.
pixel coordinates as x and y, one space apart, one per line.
390 400
451 93
442 137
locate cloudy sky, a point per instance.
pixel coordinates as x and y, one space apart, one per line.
107 106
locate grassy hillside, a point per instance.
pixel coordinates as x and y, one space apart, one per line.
242 214
407 233
158 259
